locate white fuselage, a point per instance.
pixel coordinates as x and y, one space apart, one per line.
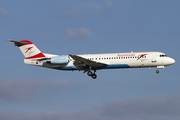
89 62
114 60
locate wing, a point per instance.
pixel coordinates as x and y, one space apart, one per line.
80 60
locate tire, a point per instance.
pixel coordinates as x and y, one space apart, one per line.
94 76
157 71
89 73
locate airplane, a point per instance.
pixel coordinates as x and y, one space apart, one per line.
92 62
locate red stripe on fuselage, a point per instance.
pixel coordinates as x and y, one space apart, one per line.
141 56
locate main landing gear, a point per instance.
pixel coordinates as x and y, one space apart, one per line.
93 75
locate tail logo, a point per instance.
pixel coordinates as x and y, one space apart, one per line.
28 49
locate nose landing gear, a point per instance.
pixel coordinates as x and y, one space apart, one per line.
157 71
93 75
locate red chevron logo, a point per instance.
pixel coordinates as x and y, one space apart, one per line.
29 49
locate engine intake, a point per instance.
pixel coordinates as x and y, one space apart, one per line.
58 60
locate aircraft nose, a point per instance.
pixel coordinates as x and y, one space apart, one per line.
168 61
171 61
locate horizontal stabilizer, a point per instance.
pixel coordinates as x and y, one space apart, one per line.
17 43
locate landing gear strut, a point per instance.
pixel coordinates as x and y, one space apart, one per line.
93 75
157 71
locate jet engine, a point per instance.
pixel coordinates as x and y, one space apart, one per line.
58 60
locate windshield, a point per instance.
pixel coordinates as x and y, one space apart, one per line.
163 55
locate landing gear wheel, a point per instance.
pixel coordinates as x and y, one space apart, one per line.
94 76
89 73
157 71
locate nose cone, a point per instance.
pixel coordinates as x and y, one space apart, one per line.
168 61
171 61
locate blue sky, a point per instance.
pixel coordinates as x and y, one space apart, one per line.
88 27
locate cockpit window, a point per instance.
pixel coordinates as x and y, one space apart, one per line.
163 55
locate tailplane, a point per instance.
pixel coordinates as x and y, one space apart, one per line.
29 50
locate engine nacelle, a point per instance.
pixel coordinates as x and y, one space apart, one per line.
58 60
